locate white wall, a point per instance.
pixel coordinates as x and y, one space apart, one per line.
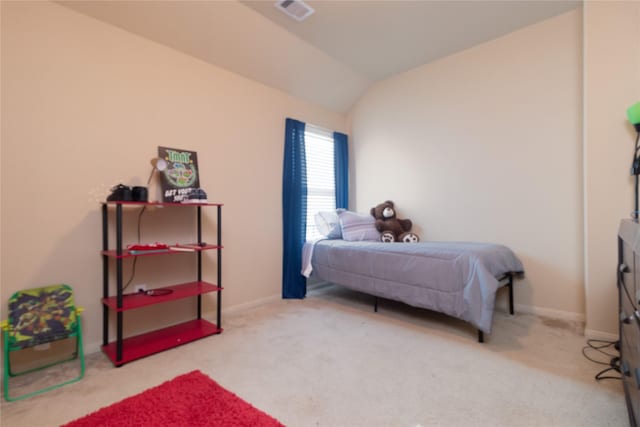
612 84
486 145
84 106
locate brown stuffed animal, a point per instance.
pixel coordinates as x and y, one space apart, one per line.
391 228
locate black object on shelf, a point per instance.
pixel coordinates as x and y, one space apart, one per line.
124 193
121 193
139 194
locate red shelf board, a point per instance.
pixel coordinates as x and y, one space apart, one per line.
150 343
126 254
131 301
127 203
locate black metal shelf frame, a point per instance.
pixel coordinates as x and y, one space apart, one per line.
119 269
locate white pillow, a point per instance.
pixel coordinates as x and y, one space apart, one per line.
357 227
328 224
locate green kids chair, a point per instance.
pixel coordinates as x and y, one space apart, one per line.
41 316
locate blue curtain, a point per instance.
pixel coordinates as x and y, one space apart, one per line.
294 209
341 168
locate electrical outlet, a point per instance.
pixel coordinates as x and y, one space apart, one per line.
140 288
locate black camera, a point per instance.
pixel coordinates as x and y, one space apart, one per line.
123 193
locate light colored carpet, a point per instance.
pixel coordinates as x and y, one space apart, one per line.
329 360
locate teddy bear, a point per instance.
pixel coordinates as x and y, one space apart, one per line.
391 228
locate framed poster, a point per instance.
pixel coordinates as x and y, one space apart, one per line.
181 174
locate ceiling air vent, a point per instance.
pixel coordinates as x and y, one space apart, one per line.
296 9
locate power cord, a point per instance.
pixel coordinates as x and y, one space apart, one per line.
135 259
614 361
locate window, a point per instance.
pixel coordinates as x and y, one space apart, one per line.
321 184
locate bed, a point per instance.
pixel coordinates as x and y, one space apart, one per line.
459 279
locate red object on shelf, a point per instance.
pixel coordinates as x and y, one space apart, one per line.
137 300
140 346
147 246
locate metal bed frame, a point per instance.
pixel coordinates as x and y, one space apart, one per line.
509 284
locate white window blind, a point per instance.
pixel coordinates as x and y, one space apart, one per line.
321 185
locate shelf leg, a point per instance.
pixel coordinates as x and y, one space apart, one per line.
199 255
219 268
510 285
119 280
105 274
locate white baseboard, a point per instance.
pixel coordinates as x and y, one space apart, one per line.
94 347
567 316
318 285
551 313
502 304
247 305
599 335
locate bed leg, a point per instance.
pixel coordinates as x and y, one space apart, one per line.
375 304
510 285
480 336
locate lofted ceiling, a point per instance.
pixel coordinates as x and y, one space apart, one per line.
334 55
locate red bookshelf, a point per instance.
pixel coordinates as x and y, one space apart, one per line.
137 300
126 349
140 346
113 253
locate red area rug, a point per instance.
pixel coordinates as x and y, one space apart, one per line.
189 400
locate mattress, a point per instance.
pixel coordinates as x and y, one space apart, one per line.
456 278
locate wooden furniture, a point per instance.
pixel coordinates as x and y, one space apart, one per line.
629 305
124 350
